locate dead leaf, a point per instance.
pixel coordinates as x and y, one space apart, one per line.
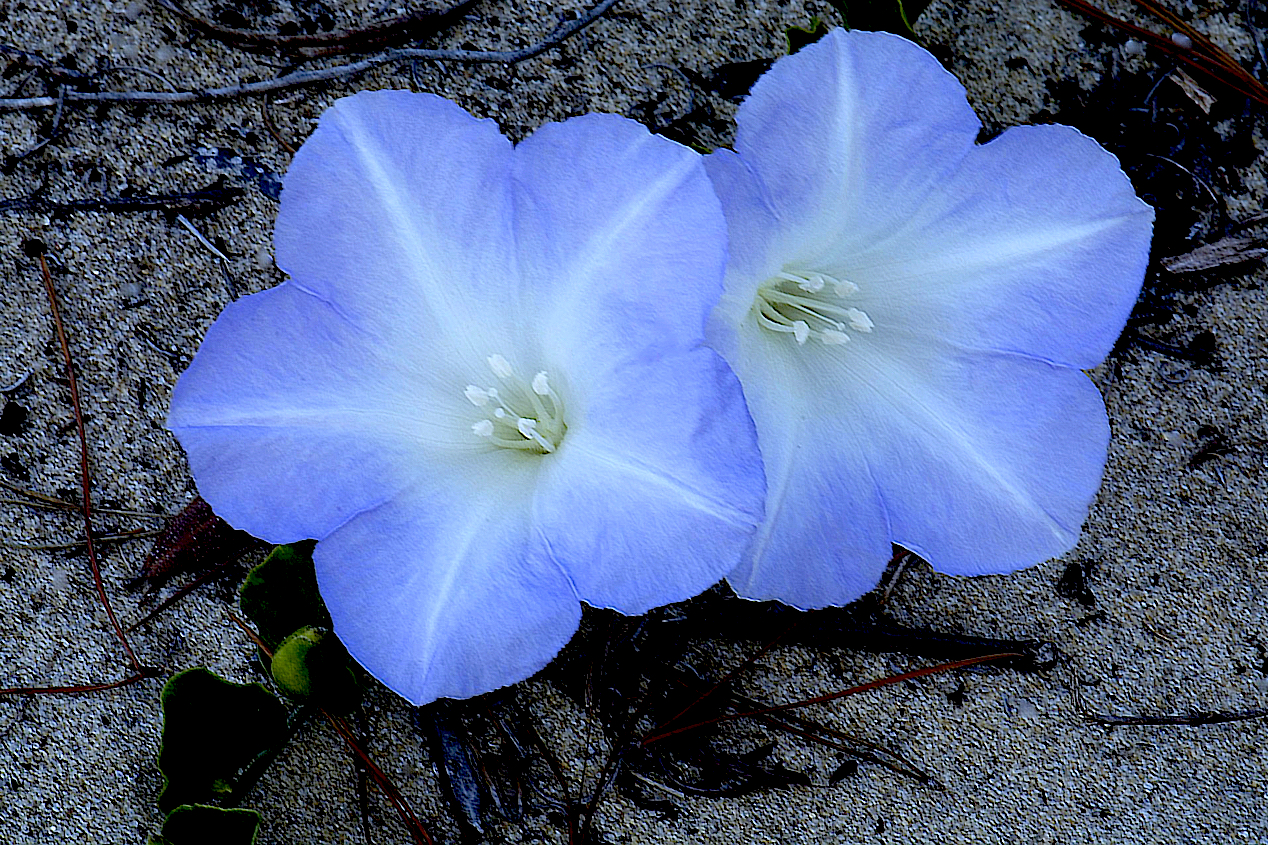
1195 92
195 539
1222 253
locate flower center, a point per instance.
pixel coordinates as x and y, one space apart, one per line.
807 305
518 415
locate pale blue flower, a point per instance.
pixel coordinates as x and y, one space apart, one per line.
484 389
910 314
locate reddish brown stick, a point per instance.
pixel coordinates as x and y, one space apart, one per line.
1206 58
871 685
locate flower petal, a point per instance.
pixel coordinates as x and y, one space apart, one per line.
988 461
408 195
1037 244
445 591
291 421
848 135
978 462
825 539
622 243
656 494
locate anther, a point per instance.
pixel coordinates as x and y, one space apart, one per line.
541 385
797 303
500 366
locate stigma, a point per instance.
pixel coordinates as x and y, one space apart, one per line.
810 305
517 414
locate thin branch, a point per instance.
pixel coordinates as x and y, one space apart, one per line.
418 24
416 830
311 77
665 733
1193 720
140 675
38 62
196 203
1204 57
138 534
84 474
216 571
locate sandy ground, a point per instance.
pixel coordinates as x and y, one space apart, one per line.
1177 555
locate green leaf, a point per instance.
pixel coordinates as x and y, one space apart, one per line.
199 824
313 667
280 595
212 729
796 37
880 15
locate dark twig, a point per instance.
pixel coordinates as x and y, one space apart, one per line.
138 671
1193 720
416 25
311 77
137 534
416 830
186 589
194 203
268 124
139 675
665 732
1204 56
1196 719
85 476
38 62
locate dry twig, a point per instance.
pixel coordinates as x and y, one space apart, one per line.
137 670
303 78
420 23
1203 56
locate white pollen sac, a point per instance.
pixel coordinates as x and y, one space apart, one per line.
484 428
801 330
845 288
541 385
478 397
499 412
859 321
832 337
500 366
811 284
527 427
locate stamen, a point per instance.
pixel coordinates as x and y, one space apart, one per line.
528 417
859 321
541 384
798 303
500 366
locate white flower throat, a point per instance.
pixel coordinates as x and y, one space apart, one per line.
518 415
808 306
